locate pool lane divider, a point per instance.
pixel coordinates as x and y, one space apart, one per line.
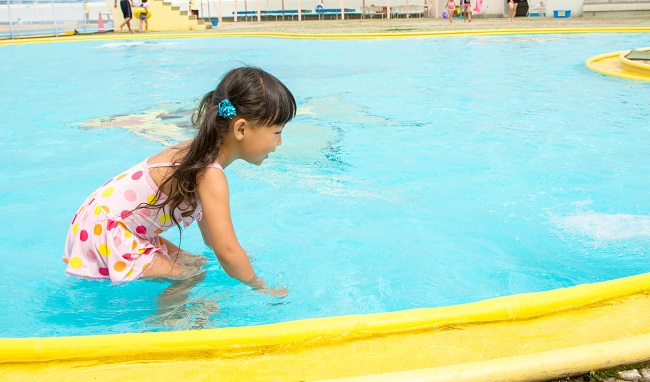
324 36
239 341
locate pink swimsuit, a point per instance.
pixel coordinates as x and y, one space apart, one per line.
107 239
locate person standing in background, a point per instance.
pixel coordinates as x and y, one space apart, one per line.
87 11
512 9
467 10
194 8
126 6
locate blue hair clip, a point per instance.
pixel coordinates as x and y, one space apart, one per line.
226 109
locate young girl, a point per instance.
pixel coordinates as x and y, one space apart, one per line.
451 6
116 233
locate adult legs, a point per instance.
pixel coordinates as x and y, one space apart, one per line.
127 22
126 12
512 10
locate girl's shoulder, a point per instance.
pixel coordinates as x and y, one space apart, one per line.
173 154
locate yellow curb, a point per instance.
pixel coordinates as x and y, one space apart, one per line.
326 36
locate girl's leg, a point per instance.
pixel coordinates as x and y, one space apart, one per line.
181 256
146 25
165 268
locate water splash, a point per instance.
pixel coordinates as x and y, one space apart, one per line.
605 227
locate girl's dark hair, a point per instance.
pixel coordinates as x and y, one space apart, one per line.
257 96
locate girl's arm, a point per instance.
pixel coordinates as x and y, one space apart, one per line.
218 232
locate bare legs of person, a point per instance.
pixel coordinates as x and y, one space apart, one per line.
174 307
146 25
179 265
512 10
467 13
127 22
450 13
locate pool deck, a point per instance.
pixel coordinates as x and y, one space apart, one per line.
427 25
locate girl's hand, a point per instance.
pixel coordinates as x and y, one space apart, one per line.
278 292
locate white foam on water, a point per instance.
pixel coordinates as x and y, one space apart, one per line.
606 227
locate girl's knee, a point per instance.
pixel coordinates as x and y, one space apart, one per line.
162 266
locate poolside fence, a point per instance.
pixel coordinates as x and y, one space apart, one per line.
25 18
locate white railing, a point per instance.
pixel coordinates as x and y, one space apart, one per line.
20 18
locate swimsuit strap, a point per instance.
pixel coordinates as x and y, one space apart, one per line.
169 164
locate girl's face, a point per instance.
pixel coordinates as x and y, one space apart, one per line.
259 142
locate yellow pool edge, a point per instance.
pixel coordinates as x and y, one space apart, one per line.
369 35
238 340
542 366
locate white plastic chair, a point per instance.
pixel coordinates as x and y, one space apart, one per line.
537 8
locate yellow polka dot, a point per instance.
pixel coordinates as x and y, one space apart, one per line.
127 234
75 262
151 199
108 192
164 218
75 228
104 250
141 251
98 210
129 274
98 229
120 177
119 266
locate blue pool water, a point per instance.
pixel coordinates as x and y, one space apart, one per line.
419 172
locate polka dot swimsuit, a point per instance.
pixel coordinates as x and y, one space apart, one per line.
109 240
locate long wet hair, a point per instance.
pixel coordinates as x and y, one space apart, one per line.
257 96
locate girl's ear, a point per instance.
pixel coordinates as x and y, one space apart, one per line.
239 127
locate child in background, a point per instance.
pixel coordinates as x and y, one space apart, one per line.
451 6
144 16
116 233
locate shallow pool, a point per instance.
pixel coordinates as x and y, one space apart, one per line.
420 172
